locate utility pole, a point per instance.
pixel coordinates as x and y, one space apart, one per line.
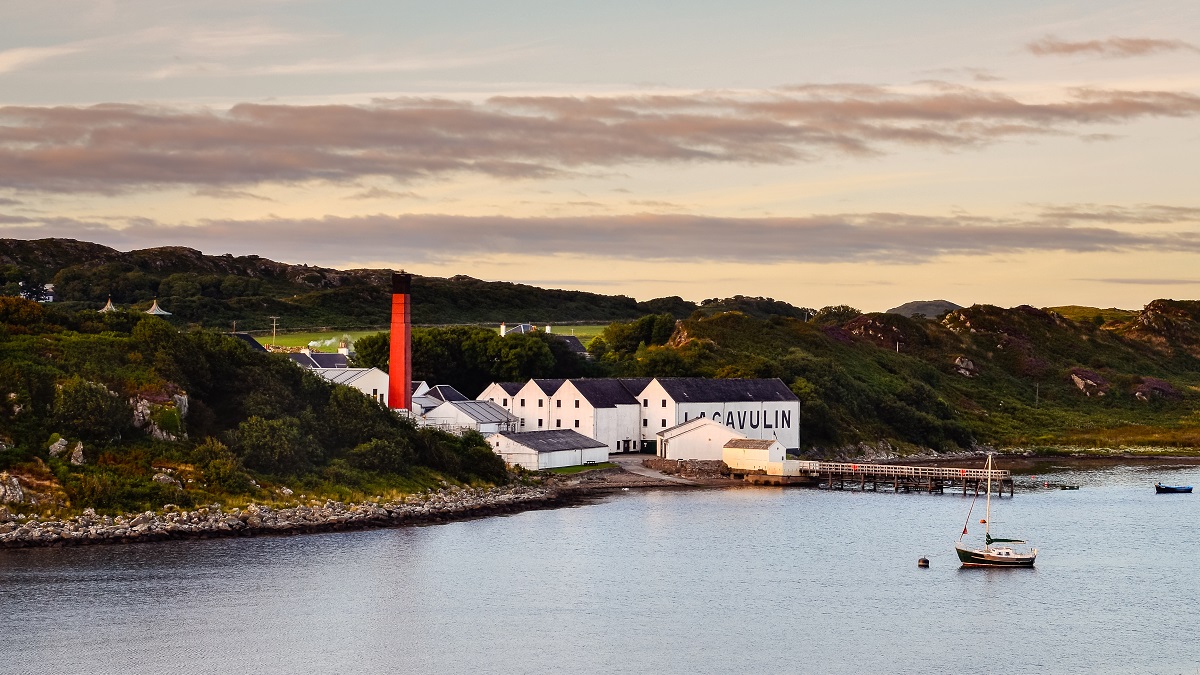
274 325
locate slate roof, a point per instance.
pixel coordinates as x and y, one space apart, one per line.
444 392
484 412
549 386
572 343
347 376
635 385
553 440
705 390
750 443
604 393
245 337
511 388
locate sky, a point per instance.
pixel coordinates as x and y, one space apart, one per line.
821 153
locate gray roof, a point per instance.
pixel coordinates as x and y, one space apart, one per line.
247 338
604 393
553 440
635 385
572 343
511 388
705 390
549 385
444 392
750 443
484 412
347 376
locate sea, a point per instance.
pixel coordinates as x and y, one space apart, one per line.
741 580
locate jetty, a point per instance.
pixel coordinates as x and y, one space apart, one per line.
897 478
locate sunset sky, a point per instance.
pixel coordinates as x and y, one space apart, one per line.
858 153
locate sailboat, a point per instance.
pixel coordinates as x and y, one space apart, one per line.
989 555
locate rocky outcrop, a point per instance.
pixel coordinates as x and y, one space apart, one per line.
1090 383
965 367
161 416
77 454
446 504
58 447
1151 387
10 489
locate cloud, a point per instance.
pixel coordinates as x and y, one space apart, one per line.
1113 47
381 193
1147 282
21 57
853 237
116 148
227 193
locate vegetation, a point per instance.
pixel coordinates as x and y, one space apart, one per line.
208 417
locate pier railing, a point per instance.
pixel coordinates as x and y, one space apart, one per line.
892 471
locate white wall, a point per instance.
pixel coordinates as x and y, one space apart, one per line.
778 420
705 441
611 426
751 459
516 454
496 394
449 416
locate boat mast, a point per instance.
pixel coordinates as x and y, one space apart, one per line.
987 518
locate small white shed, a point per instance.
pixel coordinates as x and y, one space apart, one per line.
536 450
752 454
698 438
482 416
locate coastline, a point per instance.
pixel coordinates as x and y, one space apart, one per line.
212 521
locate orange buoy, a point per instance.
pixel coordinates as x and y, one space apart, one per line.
982 521
923 562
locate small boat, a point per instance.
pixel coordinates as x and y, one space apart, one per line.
1171 489
992 556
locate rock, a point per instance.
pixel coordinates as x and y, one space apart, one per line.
166 479
142 519
965 367
77 454
10 489
58 447
286 492
1090 383
5 516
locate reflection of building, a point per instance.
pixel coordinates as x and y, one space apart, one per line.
536 450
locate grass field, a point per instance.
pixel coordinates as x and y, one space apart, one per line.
580 469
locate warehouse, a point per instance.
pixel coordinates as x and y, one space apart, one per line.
371 381
758 408
536 450
603 409
482 416
698 438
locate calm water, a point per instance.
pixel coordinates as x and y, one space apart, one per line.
715 581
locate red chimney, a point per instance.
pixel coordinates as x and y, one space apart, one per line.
400 368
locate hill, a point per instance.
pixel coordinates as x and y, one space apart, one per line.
929 308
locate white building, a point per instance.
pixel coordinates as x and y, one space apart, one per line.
482 416
536 450
531 404
752 454
758 408
371 381
698 438
603 409
502 394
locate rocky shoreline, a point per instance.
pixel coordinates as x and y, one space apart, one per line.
206 522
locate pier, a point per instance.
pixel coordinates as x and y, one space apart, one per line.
930 479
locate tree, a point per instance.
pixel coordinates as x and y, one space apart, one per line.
373 351
273 446
89 411
835 315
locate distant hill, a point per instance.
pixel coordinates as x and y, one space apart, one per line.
209 290
927 308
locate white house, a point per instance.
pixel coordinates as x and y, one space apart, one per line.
482 416
758 408
751 454
371 381
602 409
698 438
536 450
531 404
502 394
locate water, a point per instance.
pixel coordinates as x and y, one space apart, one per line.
712 581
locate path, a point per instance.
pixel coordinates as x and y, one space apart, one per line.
633 464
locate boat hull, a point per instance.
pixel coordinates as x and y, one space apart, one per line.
1173 489
998 557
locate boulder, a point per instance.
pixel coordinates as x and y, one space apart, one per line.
965 367
1090 383
58 447
166 479
77 454
10 489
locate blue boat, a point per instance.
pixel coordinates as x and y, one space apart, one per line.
1171 489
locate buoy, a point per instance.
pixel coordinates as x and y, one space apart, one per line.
923 562
982 521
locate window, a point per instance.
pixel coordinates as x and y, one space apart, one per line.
491 400
539 423
374 392
645 422
522 403
685 417
558 403
645 403
504 402
576 403
664 423
576 424
558 423
664 403
522 421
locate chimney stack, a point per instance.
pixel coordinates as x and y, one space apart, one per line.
400 356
